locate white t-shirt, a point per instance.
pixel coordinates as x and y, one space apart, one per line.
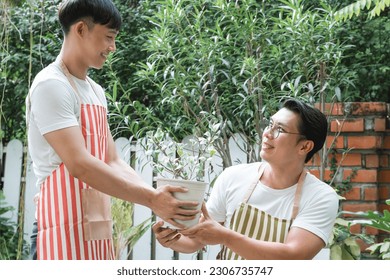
55 105
317 209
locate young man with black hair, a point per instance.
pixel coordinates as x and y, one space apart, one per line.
73 152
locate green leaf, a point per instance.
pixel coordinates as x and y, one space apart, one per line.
363 4
368 4
346 255
385 247
342 222
335 252
356 8
350 241
355 250
386 256
373 248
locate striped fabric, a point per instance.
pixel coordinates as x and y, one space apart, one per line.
252 222
60 213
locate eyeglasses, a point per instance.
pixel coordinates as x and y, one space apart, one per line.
275 130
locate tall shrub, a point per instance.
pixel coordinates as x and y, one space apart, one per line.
32 42
236 61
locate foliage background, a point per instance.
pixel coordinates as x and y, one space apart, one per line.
295 48
30 39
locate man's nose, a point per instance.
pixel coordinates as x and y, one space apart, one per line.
112 47
269 133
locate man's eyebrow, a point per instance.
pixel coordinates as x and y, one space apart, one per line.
278 123
114 31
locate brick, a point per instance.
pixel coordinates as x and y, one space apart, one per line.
384 176
315 160
334 109
384 161
382 207
370 230
384 235
384 192
356 207
361 176
356 229
380 124
327 108
338 142
370 194
349 159
353 194
364 142
316 172
327 175
372 161
368 108
352 125
354 108
362 244
386 142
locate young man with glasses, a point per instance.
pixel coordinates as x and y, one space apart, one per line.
272 209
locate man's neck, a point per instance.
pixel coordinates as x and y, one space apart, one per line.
73 63
281 178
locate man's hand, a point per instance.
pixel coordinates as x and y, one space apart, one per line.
207 232
165 236
168 208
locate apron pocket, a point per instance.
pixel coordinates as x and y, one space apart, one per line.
97 222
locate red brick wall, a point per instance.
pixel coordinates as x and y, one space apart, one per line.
364 128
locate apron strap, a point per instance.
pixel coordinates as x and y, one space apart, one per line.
254 183
70 80
73 84
298 193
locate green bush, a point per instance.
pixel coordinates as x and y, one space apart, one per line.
236 61
263 50
30 40
9 235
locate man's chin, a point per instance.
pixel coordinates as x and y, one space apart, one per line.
98 67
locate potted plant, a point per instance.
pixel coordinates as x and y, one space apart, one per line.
182 163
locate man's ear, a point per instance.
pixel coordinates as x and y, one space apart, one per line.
80 27
307 146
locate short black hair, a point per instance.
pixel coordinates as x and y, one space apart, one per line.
313 123
101 12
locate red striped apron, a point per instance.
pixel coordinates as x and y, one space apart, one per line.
74 220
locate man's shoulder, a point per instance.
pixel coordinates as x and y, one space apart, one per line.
51 73
243 167
319 186
240 173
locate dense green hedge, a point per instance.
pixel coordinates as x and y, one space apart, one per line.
30 39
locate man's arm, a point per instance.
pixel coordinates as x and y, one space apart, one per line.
114 178
300 244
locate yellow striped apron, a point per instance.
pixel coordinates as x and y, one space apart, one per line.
254 223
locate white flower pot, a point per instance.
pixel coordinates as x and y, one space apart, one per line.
196 192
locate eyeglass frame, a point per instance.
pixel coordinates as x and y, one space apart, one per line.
272 129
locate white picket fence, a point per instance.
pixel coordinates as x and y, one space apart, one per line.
146 248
